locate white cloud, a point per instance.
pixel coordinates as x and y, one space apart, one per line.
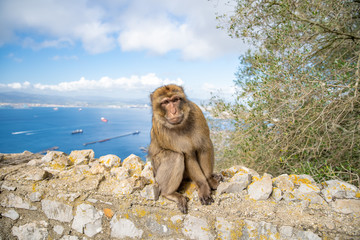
134 83
15 58
157 26
57 57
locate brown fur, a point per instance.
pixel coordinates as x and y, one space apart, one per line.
180 145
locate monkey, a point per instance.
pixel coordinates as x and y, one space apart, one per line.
180 146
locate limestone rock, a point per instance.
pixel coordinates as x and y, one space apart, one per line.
37 174
68 237
346 206
122 228
110 160
150 192
87 220
277 194
31 231
255 230
7 186
159 229
58 229
231 187
120 173
230 172
12 214
133 164
335 189
97 168
57 210
284 183
224 228
81 156
35 197
15 201
261 189
124 187
310 197
147 173
196 228
56 157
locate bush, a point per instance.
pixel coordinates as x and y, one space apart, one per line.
298 107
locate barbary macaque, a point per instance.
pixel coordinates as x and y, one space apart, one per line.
180 146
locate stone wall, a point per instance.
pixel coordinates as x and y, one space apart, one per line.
75 196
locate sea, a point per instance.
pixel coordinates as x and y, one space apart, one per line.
119 131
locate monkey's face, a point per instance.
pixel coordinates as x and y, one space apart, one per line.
172 108
170 105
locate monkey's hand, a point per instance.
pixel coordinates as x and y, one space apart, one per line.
215 180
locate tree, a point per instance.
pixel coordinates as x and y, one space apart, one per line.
299 106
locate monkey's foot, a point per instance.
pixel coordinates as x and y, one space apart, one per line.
206 200
180 200
182 205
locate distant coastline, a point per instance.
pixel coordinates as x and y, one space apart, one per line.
30 105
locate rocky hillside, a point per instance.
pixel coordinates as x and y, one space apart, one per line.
76 196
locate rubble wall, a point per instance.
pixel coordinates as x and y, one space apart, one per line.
76 196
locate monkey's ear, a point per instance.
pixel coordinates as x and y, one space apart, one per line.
151 97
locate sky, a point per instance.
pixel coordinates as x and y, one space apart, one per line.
122 48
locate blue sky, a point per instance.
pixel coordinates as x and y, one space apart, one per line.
123 48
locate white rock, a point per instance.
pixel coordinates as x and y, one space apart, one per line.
58 229
12 200
335 189
224 228
196 228
308 235
57 210
122 228
147 173
97 168
35 197
286 232
12 214
124 187
68 196
68 237
177 219
134 164
81 156
311 197
236 184
259 230
53 155
8 187
277 194
284 183
307 188
110 160
150 192
346 206
87 220
30 231
261 189
37 174
120 173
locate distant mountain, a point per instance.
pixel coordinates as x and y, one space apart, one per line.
21 97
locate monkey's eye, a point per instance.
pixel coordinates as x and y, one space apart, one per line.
176 99
165 102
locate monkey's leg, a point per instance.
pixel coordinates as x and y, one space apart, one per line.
196 174
206 161
169 176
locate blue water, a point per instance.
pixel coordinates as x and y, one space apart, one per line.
40 128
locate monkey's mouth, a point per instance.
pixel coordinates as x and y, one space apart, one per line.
176 120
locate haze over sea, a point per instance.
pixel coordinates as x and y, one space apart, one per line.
39 128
